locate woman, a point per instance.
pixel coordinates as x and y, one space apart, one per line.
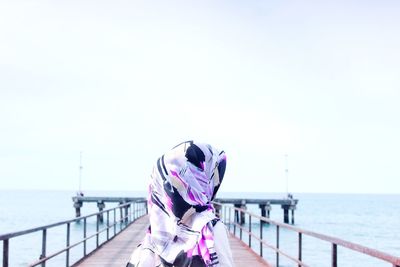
184 230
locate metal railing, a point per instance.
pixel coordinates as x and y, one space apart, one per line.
225 216
133 210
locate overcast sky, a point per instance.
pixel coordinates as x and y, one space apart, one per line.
124 81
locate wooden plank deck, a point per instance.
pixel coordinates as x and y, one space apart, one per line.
244 256
116 252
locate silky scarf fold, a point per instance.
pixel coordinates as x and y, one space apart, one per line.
183 183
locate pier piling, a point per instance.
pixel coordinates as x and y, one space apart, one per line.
240 217
101 205
237 212
265 211
77 206
242 214
286 208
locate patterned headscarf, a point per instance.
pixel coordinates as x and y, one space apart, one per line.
183 183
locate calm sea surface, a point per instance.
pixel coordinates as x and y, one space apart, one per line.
370 220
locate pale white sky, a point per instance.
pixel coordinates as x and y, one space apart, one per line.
123 81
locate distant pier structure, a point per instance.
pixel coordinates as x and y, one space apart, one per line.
288 205
101 203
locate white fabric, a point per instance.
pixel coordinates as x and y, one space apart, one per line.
143 256
183 183
222 247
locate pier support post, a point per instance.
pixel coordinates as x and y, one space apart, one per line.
101 206
242 214
285 213
237 213
242 217
286 209
292 208
265 211
77 206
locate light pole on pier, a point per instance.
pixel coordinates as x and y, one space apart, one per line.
80 173
287 175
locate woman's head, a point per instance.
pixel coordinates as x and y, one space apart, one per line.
191 175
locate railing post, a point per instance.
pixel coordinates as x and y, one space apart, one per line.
261 238
108 225
5 252
97 230
131 212
121 216
135 212
277 245
249 230
230 211
234 222
300 247
224 207
84 237
334 255
126 214
240 231
44 238
68 239
115 221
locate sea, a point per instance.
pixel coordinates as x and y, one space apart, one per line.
371 220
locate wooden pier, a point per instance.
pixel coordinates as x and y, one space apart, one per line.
118 236
116 252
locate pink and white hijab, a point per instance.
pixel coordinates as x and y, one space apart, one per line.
183 183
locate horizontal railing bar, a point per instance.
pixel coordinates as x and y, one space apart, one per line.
32 230
278 250
123 220
270 246
244 230
288 256
263 201
63 250
240 227
108 199
78 243
349 245
355 247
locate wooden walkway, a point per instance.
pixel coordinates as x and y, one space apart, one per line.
116 252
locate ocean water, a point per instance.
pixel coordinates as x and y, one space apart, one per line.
369 220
